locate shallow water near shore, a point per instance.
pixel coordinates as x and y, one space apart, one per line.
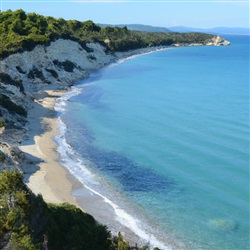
163 137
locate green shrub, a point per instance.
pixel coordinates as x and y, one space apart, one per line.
23 240
27 218
31 224
11 181
1 123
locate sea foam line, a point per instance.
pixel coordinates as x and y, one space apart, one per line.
76 167
141 52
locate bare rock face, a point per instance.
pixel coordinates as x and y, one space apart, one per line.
60 64
11 157
24 76
218 41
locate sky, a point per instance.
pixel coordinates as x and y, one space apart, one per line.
163 13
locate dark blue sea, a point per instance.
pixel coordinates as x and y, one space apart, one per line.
165 138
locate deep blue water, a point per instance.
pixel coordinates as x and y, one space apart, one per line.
166 137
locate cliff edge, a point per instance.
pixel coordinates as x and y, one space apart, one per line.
24 77
52 54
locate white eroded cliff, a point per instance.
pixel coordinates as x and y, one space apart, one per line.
23 77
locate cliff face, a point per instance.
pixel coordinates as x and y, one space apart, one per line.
59 64
24 75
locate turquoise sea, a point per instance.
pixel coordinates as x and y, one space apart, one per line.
165 137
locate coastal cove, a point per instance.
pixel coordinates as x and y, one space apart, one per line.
98 134
42 145
56 182
37 157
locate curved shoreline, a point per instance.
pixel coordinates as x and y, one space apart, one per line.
51 178
103 202
48 176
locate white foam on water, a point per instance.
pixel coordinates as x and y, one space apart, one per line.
77 167
122 60
62 101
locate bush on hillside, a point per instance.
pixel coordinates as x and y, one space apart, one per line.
27 222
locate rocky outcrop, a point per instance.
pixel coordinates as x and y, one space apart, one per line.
217 41
214 41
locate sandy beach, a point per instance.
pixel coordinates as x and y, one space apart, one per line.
37 69
50 178
47 176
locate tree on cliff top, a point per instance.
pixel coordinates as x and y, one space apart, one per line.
21 31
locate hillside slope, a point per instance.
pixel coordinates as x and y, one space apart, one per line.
27 222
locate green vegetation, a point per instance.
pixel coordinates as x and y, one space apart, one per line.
27 222
1 123
119 243
14 212
20 31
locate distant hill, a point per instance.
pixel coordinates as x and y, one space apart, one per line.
182 29
139 27
217 30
